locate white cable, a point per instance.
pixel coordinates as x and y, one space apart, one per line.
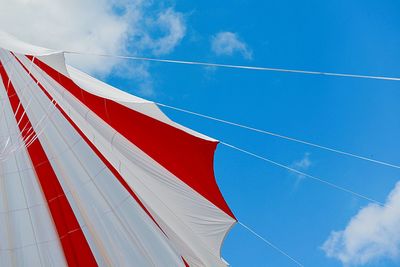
282 136
239 66
269 243
304 174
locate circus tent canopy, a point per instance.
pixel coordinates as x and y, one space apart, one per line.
91 175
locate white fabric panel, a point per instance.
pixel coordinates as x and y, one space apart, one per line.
141 105
10 43
28 236
99 201
195 226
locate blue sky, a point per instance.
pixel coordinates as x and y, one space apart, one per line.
359 116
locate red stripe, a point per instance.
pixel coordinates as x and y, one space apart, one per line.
188 157
75 246
185 262
92 146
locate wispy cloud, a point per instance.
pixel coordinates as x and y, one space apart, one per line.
96 26
373 234
302 164
171 29
229 43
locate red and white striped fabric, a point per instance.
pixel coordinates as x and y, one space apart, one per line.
93 176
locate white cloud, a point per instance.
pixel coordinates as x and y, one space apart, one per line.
228 43
95 26
302 164
172 28
373 234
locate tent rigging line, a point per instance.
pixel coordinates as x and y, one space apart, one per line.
208 64
269 243
323 181
283 137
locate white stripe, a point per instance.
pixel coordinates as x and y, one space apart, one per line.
140 105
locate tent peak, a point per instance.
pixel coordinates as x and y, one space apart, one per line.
11 43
